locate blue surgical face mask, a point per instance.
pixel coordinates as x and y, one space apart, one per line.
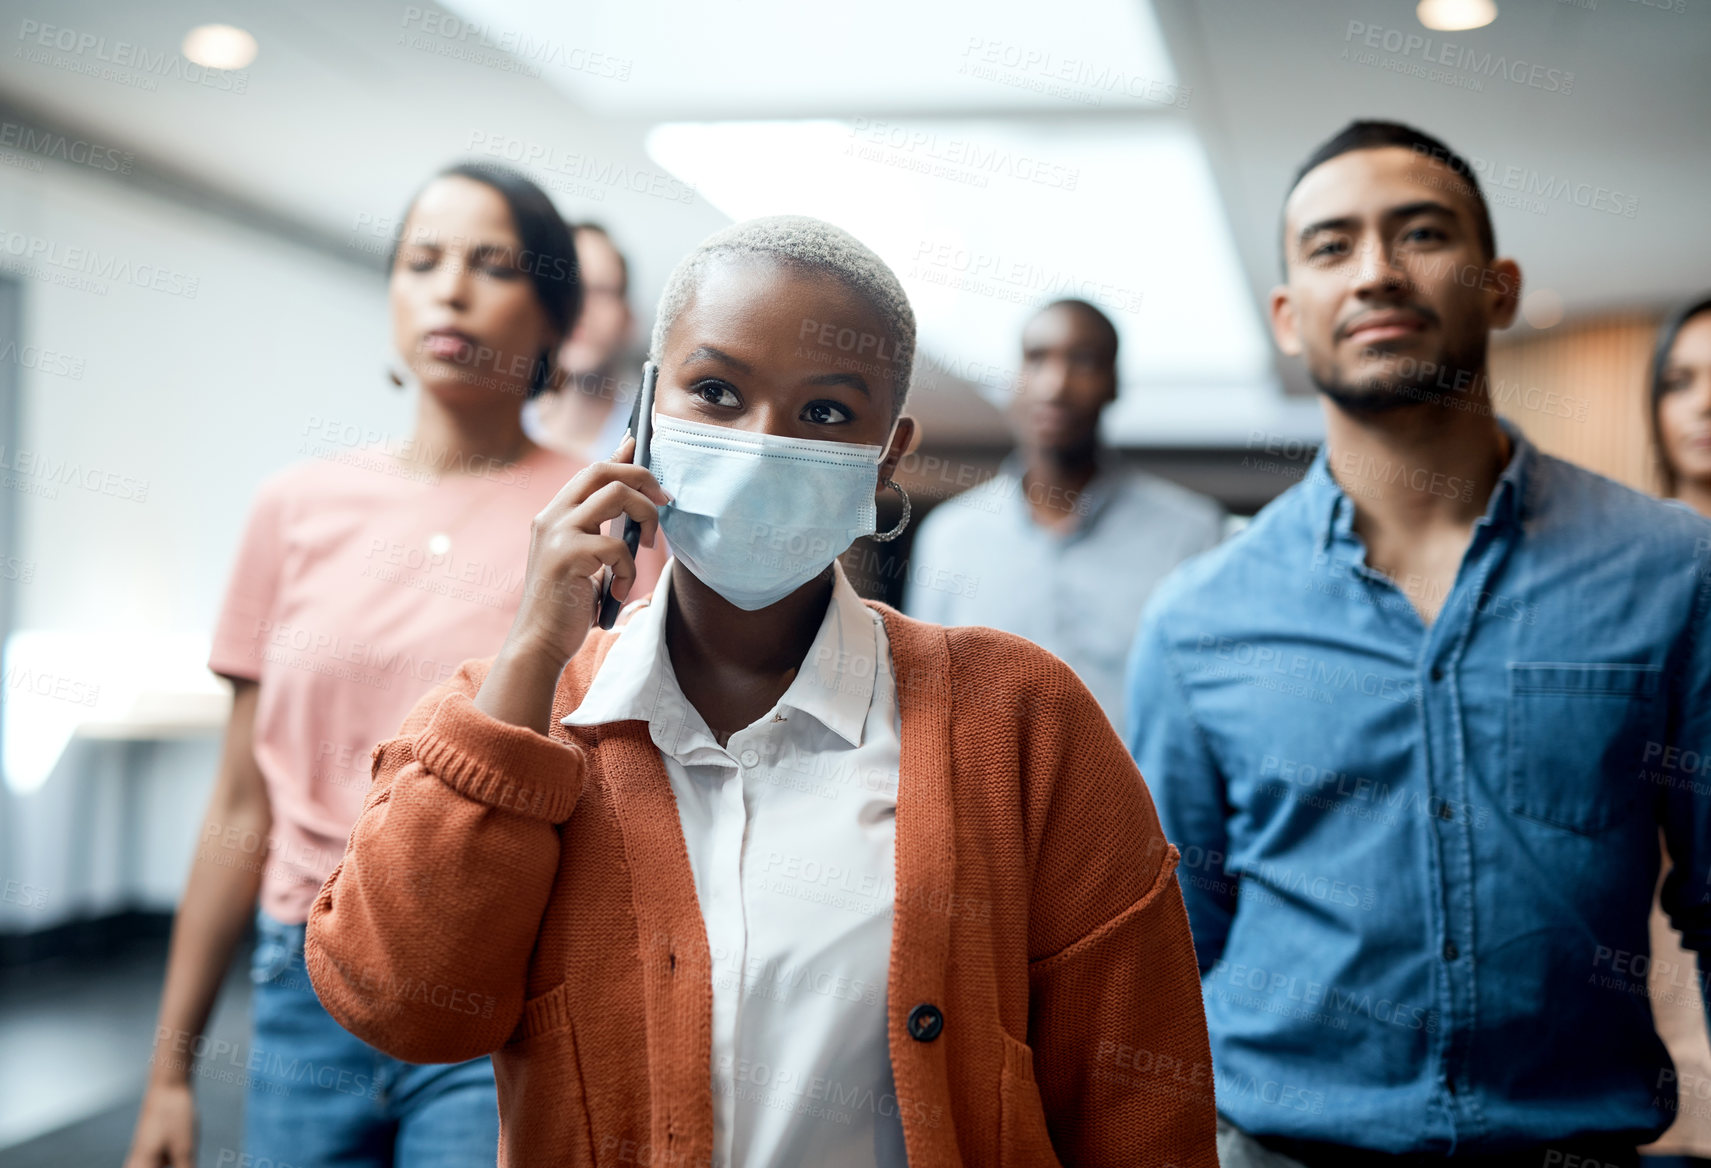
756 516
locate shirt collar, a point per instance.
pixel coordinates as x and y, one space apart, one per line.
834 683
1509 500
1093 499
836 678
1333 513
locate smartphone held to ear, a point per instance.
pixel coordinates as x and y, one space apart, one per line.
641 425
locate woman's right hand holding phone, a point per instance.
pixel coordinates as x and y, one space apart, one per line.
568 553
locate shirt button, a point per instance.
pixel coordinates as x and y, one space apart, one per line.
1450 951
1437 673
1444 810
750 758
925 1022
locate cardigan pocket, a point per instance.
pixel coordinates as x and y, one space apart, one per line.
1023 1139
543 1104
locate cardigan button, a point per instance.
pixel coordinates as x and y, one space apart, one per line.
925 1022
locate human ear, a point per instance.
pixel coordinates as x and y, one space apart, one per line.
1283 324
1506 282
902 441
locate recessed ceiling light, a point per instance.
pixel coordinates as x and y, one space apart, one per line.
219 46
1456 15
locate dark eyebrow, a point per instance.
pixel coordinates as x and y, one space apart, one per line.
477 248
1420 207
705 352
853 380
502 252
1340 223
1405 211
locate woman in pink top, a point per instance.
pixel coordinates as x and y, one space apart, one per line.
365 576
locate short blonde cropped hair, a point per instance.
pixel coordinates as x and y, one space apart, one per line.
811 244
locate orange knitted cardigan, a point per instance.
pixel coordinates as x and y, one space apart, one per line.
531 897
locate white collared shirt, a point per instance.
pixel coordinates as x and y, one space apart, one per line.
791 831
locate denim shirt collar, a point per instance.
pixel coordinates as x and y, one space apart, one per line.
1333 512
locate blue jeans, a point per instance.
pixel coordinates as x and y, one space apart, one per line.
319 1097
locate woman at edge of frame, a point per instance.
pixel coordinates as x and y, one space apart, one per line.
1678 405
771 875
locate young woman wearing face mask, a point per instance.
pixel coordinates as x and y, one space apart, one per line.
364 578
770 875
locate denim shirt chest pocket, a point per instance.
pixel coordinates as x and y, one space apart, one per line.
1575 737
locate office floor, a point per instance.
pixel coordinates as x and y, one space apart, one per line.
75 1038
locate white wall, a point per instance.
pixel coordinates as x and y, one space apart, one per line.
199 398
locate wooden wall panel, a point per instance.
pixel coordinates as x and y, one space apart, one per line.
1578 390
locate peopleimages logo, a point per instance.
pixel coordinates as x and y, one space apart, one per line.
946 156
452 37
1069 78
76 151
36 473
584 175
90 267
1007 278
106 59
1528 182
1462 59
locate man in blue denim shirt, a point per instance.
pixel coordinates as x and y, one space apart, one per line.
1415 729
